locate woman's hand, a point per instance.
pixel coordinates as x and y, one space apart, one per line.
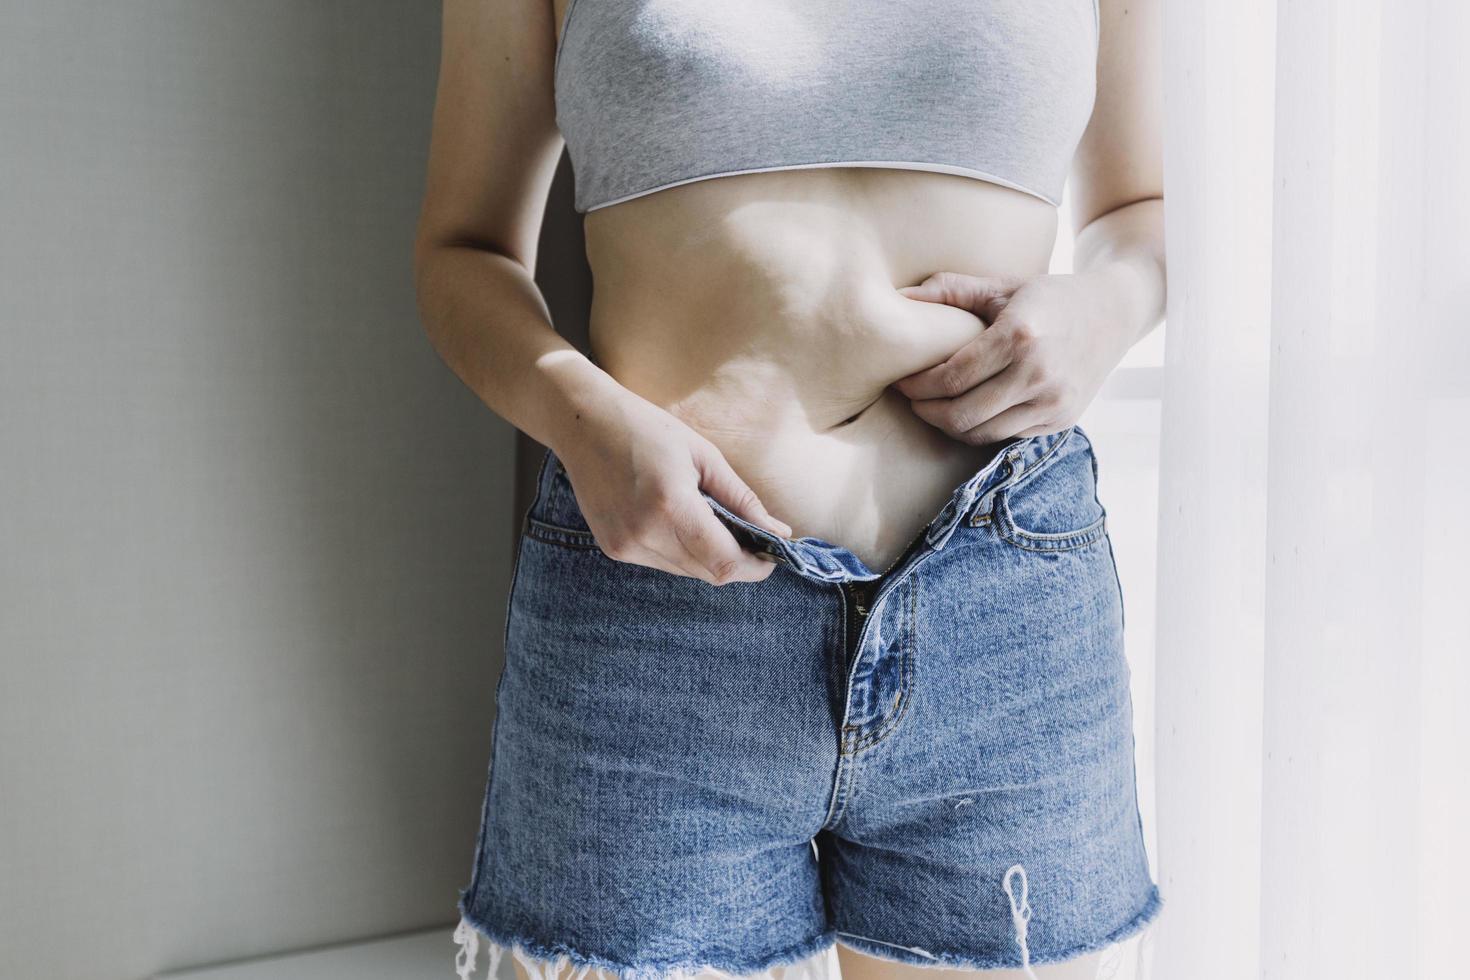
637 472
1050 342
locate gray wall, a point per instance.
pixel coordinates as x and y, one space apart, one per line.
254 536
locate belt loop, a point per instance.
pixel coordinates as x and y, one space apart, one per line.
939 535
1010 471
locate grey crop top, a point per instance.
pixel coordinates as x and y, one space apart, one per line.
651 94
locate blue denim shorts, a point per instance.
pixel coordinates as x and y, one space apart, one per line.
933 764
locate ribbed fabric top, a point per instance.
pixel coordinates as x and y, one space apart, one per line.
651 94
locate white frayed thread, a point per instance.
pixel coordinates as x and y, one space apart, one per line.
921 951
469 949
964 802
816 967
1020 915
468 938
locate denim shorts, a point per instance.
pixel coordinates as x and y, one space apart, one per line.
933 764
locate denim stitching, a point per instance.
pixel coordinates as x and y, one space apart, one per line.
1112 556
913 569
851 791
1012 478
1006 527
887 725
1007 530
1044 536
564 536
842 789
1041 460
841 776
480 837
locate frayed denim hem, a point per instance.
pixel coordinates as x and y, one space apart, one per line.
805 962
1023 959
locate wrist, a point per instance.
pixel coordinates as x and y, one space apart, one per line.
1124 249
574 393
1134 289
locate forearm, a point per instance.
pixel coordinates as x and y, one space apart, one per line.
1125 248
489 323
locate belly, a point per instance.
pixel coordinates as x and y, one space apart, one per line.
762 310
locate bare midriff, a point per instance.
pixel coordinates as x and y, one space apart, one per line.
762 310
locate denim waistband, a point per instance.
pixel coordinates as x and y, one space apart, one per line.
824 561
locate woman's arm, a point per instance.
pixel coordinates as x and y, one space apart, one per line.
1118 171
492 156
637 470
1053 339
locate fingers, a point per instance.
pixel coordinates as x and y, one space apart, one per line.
673 528
684 542
657 554
984 296
1025 419
714 553
719 479
982 358
643 555
997 347
968 413
677 559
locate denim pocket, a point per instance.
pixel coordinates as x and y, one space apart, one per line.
554 516
1055 507
566 537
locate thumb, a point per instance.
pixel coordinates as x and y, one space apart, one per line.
984 296
717 478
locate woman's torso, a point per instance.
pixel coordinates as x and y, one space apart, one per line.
762 310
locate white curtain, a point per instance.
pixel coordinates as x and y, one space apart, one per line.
1313 604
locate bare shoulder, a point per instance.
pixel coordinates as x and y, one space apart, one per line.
1120 157
494 146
